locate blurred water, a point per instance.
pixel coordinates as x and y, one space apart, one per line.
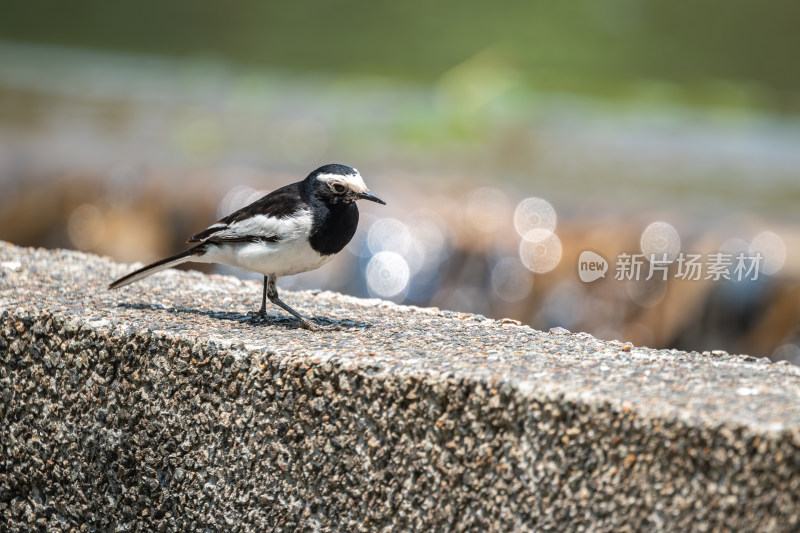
491 200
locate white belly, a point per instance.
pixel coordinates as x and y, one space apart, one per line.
283 258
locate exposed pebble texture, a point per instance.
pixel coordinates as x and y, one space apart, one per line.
165 407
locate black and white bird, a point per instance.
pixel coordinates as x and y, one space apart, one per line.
294 229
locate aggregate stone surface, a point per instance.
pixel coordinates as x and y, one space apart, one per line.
170 406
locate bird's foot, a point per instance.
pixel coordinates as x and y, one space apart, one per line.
313 326
257 316
305 322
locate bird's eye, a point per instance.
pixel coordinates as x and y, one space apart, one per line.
339 188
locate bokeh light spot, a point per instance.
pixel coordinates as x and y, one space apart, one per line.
389 235
238 197
735 247
542 255
660 238
773 250
534 214
85 226
387 274
511 281
431 235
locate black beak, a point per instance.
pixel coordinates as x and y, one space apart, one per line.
369 196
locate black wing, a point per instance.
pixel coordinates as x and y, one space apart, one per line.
280 203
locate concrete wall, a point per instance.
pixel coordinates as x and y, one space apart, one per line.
166 407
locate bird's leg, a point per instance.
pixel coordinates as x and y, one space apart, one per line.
263 310
271 290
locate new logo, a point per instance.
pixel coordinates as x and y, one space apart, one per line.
591 266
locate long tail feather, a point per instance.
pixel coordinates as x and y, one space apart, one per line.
171 261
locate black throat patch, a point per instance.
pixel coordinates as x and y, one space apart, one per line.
334 226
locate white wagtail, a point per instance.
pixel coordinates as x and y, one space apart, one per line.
294 229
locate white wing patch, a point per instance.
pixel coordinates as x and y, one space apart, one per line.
265 226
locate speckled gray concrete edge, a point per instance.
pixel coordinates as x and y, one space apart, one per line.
121 418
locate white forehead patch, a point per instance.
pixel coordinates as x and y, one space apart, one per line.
353 181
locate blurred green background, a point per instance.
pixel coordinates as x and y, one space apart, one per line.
734 53
127 126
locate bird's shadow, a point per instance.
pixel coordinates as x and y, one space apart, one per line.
254 318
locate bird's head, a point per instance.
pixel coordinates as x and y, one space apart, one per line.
335 184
